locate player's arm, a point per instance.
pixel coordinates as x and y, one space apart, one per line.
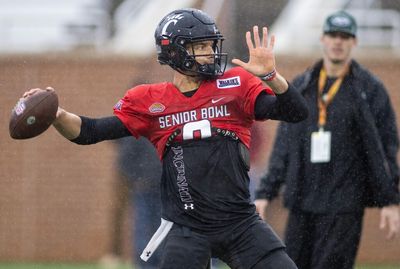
289 106
67 124
85 131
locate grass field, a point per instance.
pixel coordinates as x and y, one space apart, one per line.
94 266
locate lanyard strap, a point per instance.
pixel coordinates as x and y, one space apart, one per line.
325 99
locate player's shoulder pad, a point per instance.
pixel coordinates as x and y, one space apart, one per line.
142 90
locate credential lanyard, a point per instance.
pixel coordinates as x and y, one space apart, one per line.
325 99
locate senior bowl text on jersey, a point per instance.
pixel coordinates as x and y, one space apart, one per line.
193 115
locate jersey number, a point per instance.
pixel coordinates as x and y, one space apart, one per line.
202 128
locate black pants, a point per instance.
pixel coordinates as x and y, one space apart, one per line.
257 247
319 241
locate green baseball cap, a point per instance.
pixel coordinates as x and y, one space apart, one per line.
341 22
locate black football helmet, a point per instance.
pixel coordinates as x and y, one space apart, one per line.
182 27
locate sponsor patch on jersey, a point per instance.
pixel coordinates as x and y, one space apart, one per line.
118 106
156 108
228 82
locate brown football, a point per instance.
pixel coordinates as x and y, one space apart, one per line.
32 115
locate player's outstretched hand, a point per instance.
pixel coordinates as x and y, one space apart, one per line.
261 53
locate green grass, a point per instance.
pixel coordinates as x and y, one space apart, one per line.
94 266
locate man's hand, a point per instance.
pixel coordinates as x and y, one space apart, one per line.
261 207
261 54
390 219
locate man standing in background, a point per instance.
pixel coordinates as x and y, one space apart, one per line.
337 162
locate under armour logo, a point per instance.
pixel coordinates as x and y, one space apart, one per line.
189 206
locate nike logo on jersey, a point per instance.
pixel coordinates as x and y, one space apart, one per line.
214 101
228 82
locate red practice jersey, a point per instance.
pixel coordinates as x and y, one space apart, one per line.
156 111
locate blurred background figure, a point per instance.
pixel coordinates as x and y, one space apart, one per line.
340 160
137 188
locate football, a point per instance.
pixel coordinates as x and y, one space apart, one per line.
32 115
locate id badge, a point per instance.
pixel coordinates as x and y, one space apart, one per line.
320 147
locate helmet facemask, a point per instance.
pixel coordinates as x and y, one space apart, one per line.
190 62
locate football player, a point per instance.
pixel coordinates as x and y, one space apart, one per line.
200 125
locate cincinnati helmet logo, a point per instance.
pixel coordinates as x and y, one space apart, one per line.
156 108
170 19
